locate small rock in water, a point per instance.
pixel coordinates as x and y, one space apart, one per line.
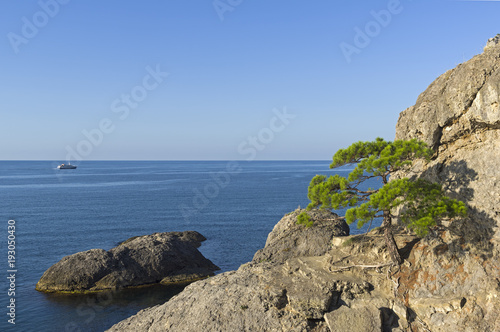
157 258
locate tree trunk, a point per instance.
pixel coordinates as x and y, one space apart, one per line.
392 247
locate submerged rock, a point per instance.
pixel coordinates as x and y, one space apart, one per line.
156 258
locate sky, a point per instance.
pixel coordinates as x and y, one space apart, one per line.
223 79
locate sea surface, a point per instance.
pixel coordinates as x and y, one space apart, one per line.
60 212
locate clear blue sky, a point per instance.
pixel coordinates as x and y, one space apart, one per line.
66 67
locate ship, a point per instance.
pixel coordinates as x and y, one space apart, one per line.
68 166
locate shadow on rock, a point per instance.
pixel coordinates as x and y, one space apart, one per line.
475 230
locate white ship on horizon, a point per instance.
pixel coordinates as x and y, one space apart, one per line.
66 166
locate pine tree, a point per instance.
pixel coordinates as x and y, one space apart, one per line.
423 203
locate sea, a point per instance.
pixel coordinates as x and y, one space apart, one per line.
47 213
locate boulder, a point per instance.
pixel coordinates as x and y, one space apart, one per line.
156 258
288 240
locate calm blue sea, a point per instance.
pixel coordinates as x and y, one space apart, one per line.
60 212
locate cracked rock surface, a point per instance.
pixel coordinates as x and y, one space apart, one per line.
288 239
302 294
459 117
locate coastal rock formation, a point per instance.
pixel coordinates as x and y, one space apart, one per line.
287 239
449 280
459 117
492 42
156 258
321 293
441 287
448 285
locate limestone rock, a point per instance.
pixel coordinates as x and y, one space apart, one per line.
459 117
447 288
142 260
287 239
492 42
353 287
297 295
450 280
363 319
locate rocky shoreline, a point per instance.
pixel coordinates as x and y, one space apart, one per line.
323 280
354 286
164 258
301 293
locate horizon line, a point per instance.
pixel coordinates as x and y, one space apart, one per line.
183 160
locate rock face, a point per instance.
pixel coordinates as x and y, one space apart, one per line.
450 282
492 42
157 258
459 117
288 239
448 285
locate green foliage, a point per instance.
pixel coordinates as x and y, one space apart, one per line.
304 219
424 202
380 158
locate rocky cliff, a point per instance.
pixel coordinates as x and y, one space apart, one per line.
449 281
141 260
459 117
